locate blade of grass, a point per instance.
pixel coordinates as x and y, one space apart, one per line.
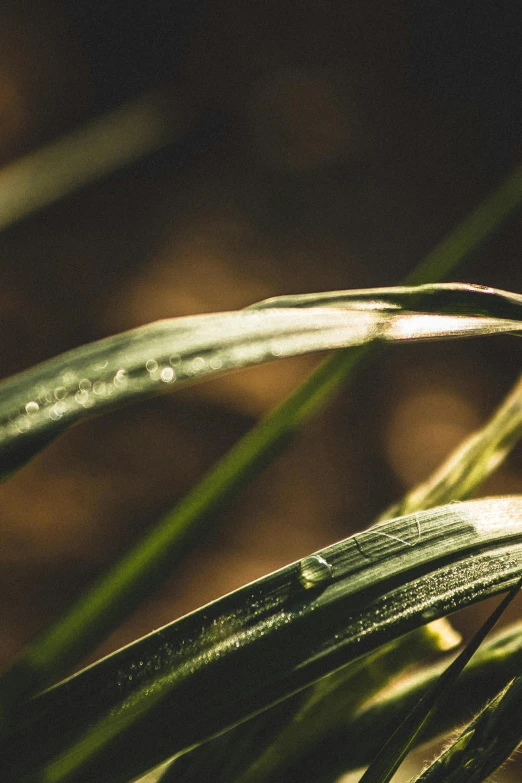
484 745
397 747
471 463
465 238
131 131
195 678
114 597
158 357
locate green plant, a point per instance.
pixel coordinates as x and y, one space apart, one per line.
325 636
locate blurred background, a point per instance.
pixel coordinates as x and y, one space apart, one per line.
302 147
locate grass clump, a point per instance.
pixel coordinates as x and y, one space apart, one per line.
247 688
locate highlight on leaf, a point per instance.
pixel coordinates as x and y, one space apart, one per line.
465 552
38 404
296 676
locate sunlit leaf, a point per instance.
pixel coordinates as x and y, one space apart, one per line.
38 404
194 678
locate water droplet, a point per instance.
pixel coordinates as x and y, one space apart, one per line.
84 384
197 365
32 407
120 379
175 359
151 365
314 571
45 398
68 378
82 396
100 388
168 375
23 424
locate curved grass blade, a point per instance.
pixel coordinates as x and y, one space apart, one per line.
397 747
40 402
485 744
195 678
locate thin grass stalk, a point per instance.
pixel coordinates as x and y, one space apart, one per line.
404 738
484 745
478 226
470 463
125 134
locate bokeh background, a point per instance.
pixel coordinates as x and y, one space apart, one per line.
322 145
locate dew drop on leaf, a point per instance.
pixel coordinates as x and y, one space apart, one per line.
314 572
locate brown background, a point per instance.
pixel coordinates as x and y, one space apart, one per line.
335 143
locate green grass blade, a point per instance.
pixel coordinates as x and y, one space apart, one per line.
109 373
193 679
478 226
104 145
471 463
485 744
404 738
